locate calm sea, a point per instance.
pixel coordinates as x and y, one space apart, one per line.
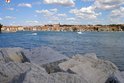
107 45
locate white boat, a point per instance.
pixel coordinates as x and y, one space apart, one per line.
79 32
34 33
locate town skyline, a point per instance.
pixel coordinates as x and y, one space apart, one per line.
71 12
59 27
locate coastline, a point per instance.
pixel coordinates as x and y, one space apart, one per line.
59 27
37 64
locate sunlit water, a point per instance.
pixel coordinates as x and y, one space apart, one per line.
107 45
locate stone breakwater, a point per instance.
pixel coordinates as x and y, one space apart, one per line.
45 65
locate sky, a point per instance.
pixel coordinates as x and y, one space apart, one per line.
40 12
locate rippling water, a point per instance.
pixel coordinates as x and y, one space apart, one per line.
107 45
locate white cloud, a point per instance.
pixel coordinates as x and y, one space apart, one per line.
54 10
70 19
42 11
12 23
117 15
11 9
62 15
54 18
60 2
114 9
34 21
35 16
87 0
108 4
117 12
110 1
85 13
37 3
1 18
46 12
25 5
9 17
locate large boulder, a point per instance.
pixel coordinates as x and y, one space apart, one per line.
10 72
43 55
12 54
122 73
94 70
31 73
53 67
61 77
116 77
15 67
38 77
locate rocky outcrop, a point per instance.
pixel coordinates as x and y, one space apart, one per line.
92 69
43 55
12 54
12 71
31 73
116 77
44 65
61 77
53 67
122 73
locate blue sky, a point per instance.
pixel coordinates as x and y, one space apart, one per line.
40 12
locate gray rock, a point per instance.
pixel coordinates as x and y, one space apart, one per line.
91 55
16 72
53 67
122 73
15 67
43 55
92 69
35 74
66 78
115 78
11 54
38 77
31 73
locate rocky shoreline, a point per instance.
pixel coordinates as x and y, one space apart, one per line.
45 65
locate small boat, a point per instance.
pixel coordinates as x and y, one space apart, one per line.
34 33
79 32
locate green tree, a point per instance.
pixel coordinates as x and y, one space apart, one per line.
74 29
122 27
